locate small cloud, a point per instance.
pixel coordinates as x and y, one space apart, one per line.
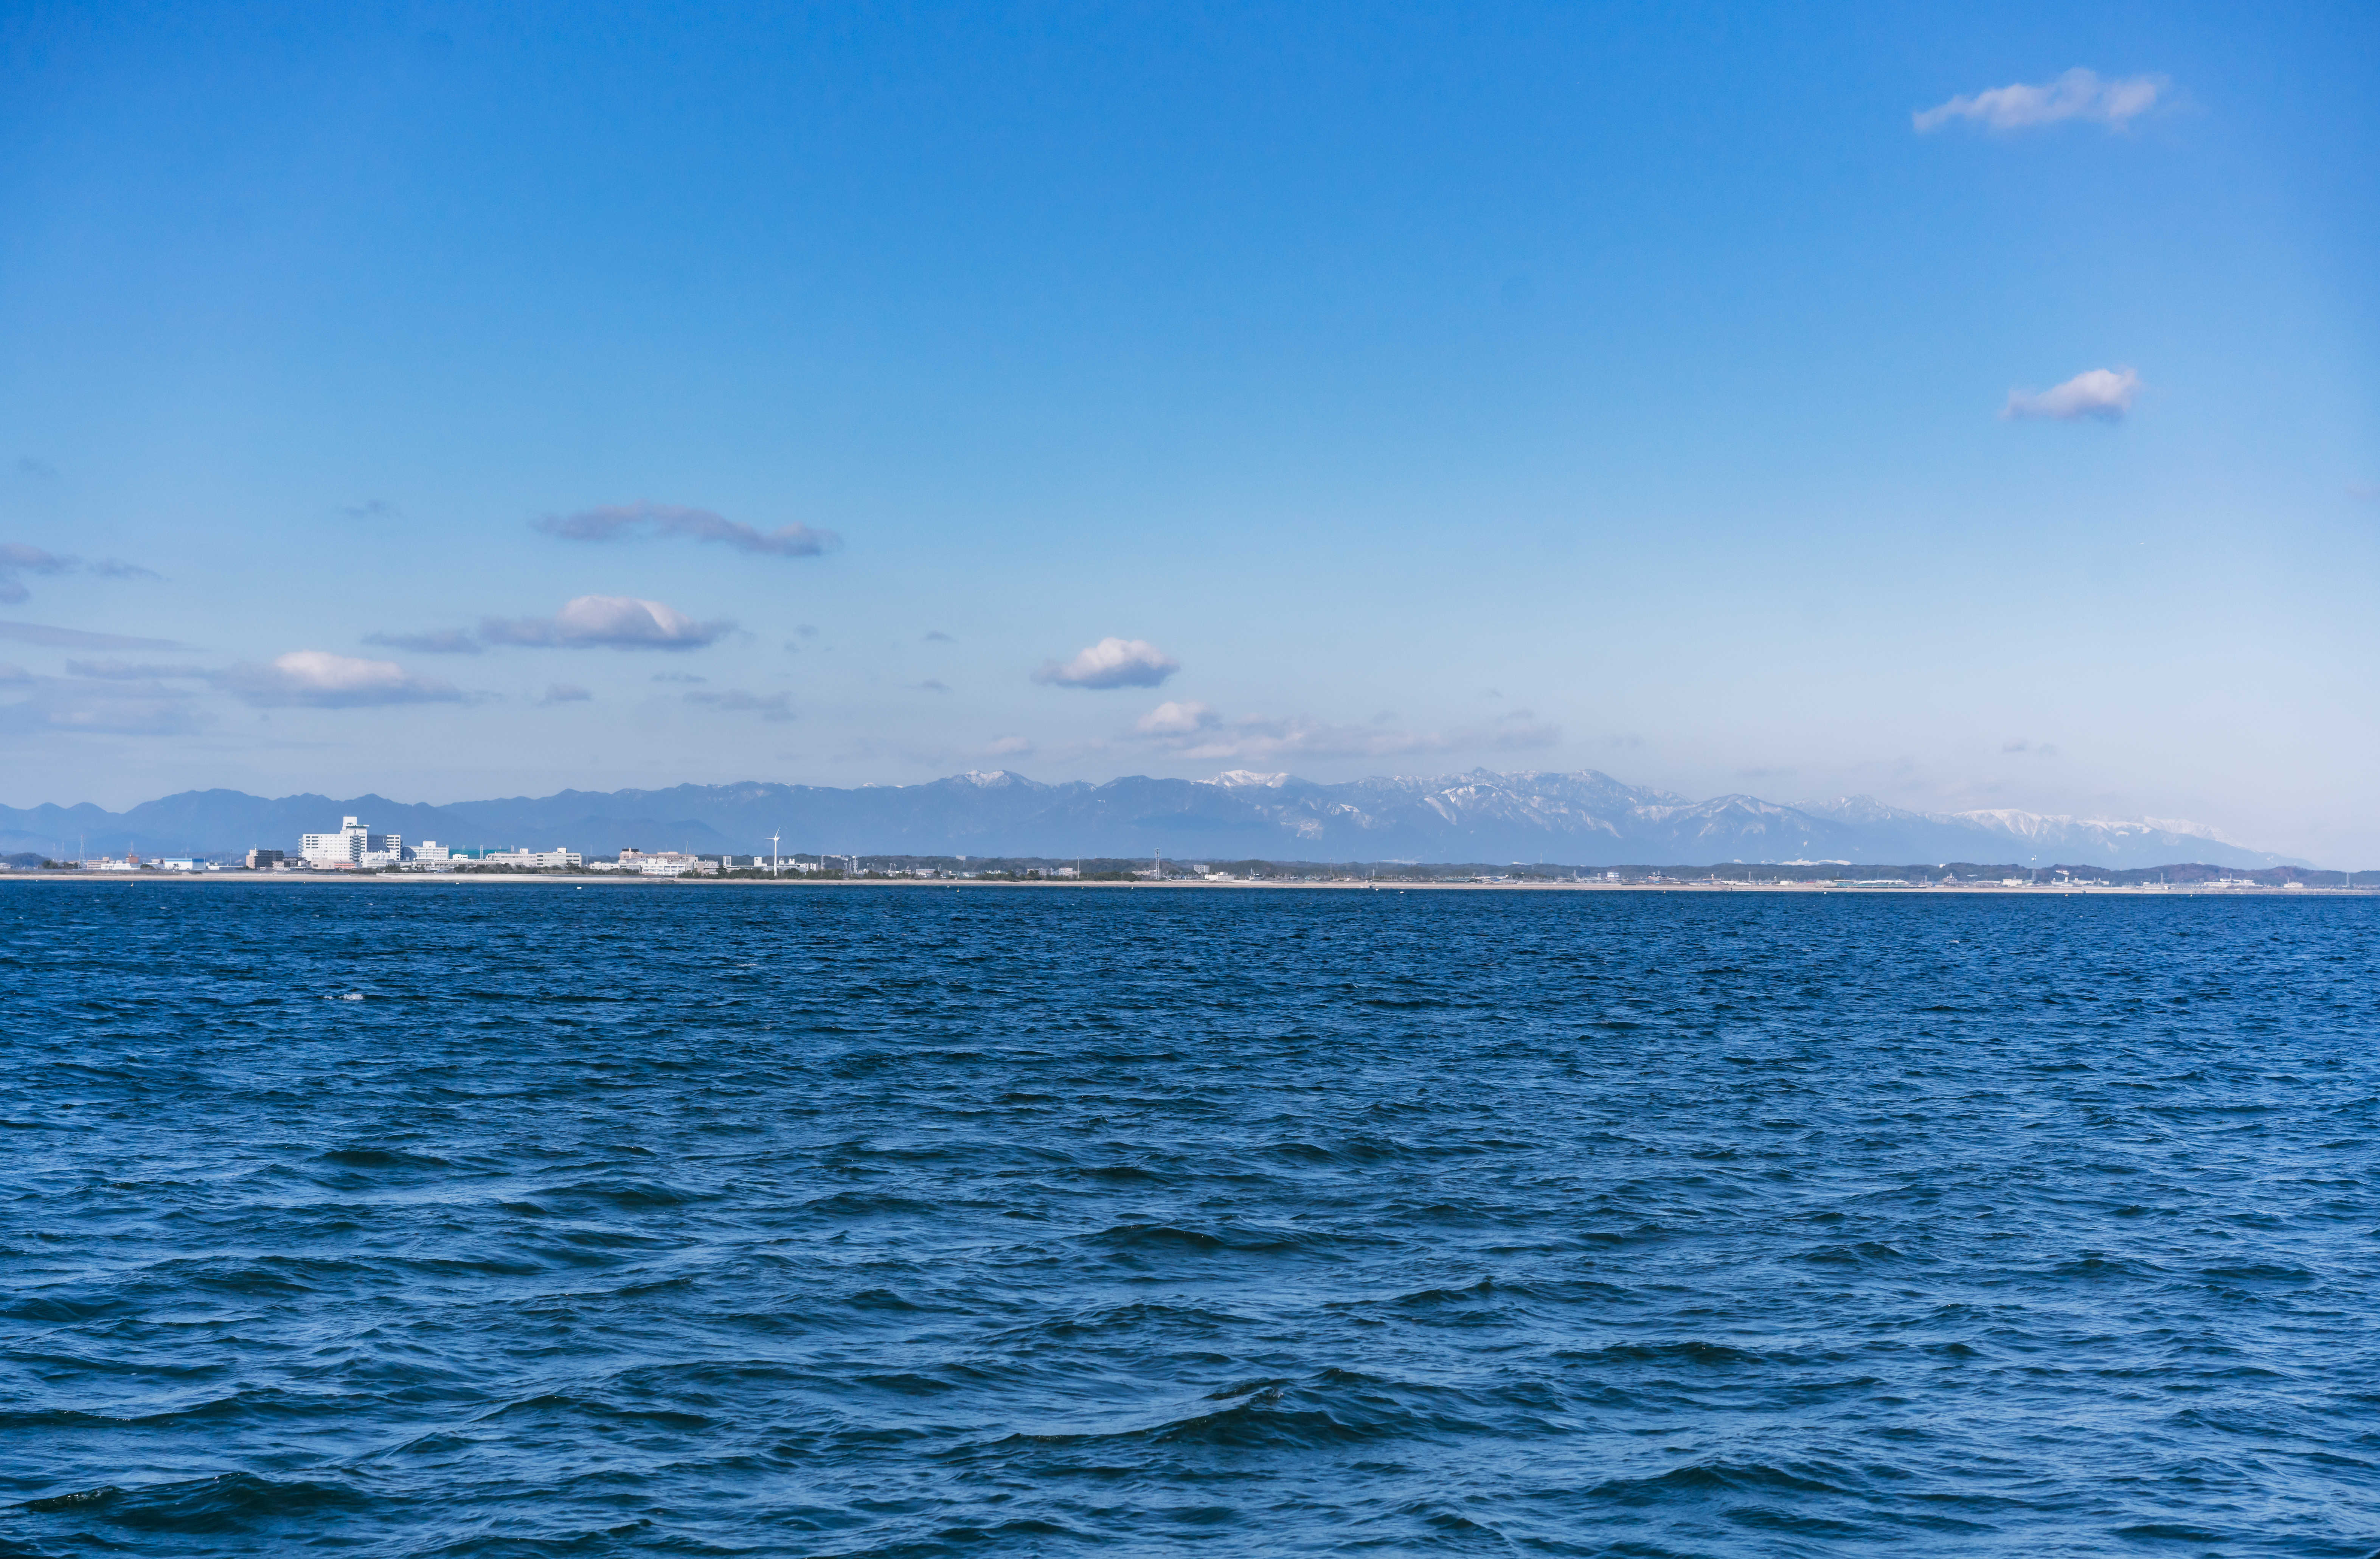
1112 662
1009 747
931 686
1177 720
565 692
133 671
372 509
771 706
806 631
438 641
76 639
2078 94
17 558
2363 491
618 622
678 676
2036 750
34 471
939 637
318 679
617 521
1520 731
2104 393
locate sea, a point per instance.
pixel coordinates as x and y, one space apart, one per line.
514 1220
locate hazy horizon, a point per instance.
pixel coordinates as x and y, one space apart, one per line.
1967 410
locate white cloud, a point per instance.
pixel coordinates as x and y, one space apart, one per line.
1009 747
615 521
318 679
1112 662
565 692
2104 393
619 622
1177 720
2078 94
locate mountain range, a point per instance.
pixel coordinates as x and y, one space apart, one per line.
1579 819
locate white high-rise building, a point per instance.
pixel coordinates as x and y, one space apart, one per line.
350 846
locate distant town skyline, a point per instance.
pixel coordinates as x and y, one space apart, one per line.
1972 411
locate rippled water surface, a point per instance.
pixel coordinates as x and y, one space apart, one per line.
514 1220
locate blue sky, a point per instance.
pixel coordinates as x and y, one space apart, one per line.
1401 388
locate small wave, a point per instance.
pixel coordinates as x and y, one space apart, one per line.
1707 1478
381 1158
625 1193
214 1504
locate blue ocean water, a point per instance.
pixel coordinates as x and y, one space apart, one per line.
507 1220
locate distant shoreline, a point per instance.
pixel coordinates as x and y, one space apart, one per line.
616 880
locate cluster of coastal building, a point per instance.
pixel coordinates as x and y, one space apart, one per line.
355 847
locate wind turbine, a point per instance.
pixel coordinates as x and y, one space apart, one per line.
772 853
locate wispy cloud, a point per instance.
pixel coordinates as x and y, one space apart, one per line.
1009 747
616 622
2102 393
1196 730
438 641
99 708
768 706
1518 730
33 469
318 679
1112 662
17 560
932 685
76 639
2078 94
134 670
2031 748
372 509
565 692
618 522
939 637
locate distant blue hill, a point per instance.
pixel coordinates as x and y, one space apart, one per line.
1582 818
